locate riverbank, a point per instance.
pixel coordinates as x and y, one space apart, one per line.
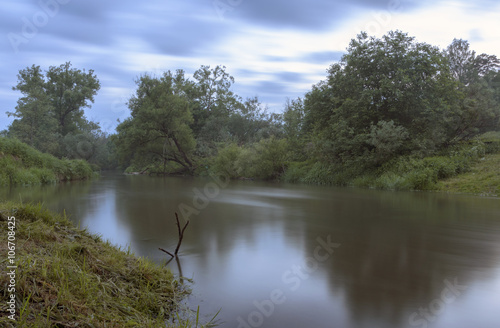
68 277
23 165
483 179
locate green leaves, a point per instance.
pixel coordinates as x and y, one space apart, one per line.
50 112
158 131
392 96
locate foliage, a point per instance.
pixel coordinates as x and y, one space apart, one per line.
50 117
201 115
226 161
269 159
386 97
480 107
24 165
293 127
69 91
266 160
158 130
491 141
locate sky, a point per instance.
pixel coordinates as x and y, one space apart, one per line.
274 49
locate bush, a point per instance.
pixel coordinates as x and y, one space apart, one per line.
44 175
424 179
296 171
271 159
226 161
391 181
267 160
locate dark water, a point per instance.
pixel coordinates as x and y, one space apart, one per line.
276 255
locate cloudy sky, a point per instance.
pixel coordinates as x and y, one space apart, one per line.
274 48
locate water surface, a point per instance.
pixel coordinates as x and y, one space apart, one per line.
281 255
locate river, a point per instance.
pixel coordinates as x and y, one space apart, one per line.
285 255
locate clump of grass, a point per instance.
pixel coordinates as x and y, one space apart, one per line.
67 277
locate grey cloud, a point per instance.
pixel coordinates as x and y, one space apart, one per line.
327 57
311 15
185 38
183 29
289 77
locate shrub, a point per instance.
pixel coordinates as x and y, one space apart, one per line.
271 159
424 179
296 171
391 181
226 161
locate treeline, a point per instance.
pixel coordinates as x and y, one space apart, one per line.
178 125
392 113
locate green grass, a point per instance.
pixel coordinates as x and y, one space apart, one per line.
483 178
67 277
472 167
23 165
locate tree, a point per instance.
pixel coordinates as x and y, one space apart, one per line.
214 90
293 125
69 91
158 130
465 65
34 123
252 122
52 107
393 87
480 109
213 103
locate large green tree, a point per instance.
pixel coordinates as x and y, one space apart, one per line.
213 104
35 123
386 97
51 110
70 90
158 131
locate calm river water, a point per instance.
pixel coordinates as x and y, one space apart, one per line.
281 255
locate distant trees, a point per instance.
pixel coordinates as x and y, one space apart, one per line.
177 123
389 100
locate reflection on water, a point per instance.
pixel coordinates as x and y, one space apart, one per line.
254 249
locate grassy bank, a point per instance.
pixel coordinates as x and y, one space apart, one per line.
472 167
23 165
483 179
67 277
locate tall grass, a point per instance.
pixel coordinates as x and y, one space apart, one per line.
401 173
21 164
